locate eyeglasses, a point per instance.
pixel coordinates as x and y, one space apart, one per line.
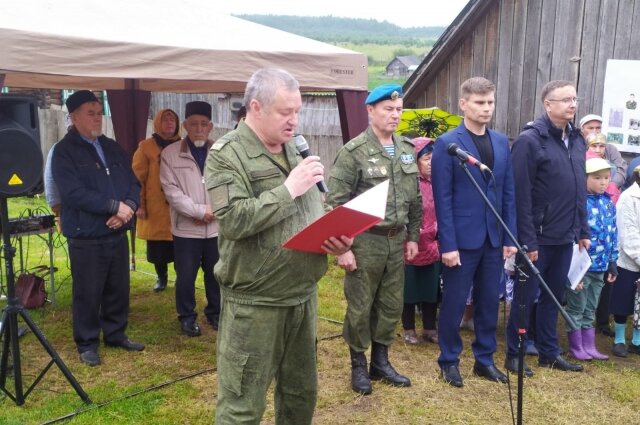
566 100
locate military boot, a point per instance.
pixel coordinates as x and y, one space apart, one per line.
360 381
380 367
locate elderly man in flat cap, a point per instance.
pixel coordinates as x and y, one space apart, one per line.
99 194
194 228
374 266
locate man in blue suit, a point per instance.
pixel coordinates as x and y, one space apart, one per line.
472 241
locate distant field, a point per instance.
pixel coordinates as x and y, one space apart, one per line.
382 54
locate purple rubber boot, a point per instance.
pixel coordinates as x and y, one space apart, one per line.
589 344
575 346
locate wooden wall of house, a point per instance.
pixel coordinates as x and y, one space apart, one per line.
522 44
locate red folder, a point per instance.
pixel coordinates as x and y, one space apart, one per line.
350 219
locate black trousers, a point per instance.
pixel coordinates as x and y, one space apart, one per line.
428 311
602 312
190 255
100 273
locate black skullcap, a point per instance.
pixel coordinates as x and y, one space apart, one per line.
78 98
198 107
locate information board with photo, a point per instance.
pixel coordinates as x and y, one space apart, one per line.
620 109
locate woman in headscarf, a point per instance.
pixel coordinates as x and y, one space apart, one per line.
153 220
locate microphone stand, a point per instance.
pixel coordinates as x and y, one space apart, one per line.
521 306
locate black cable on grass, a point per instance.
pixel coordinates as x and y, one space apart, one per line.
328 337
127 396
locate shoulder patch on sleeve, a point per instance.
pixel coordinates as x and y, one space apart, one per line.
218 186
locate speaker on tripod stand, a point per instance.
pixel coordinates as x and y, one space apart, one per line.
20 175
20 154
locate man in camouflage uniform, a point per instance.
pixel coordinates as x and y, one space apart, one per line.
374 280
262 192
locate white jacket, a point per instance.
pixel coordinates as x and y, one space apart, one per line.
628 222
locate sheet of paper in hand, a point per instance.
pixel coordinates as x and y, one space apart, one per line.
580 263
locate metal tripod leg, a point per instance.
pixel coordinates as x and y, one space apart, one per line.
10 334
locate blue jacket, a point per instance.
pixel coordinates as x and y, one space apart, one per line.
464 221
90 192
551 185
601 214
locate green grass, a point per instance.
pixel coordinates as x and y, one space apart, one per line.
607 392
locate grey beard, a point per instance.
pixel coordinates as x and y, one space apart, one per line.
199 143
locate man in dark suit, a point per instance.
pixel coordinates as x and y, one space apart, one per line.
472 241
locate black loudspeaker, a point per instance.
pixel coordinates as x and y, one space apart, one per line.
21 160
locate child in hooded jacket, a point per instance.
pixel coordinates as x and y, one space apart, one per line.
583 300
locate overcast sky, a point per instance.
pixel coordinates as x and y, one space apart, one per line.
420 13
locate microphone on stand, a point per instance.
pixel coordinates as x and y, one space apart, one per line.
303 147
454 150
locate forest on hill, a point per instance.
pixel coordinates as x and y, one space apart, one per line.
334 30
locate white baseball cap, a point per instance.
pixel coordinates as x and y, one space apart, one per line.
590 117
597 164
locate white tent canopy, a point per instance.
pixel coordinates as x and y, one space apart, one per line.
132 48
182 46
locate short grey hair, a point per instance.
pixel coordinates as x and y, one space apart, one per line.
264 84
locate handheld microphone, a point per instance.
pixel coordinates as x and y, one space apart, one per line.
303 147
454 150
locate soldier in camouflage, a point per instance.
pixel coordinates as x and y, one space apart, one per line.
262 192
374 280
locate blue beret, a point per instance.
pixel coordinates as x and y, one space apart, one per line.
384 92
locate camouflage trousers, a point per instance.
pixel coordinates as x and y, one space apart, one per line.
374 291
257 344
